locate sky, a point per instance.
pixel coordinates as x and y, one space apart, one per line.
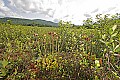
55 10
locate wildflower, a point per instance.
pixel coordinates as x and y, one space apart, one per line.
57 37
35 34
106 55
44 35
87 39
53 34
93 43
44 42
49 33
92 35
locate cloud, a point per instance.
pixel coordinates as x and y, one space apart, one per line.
43 9
87 15
5 11
56 20
34 6
60 2
109 10
55 10
94 11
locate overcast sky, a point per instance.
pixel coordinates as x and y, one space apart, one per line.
55 10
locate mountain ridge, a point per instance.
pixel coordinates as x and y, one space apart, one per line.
29 22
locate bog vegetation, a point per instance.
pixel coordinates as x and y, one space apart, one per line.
88 52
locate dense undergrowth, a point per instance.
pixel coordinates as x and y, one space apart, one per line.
64 53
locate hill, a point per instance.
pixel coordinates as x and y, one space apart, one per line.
28 22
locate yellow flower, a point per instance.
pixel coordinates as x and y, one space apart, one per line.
93 43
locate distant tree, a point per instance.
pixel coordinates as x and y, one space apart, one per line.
88 23
65 24
116 16
9 21
102 21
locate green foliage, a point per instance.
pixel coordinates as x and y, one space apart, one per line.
88 23
102 21
64 53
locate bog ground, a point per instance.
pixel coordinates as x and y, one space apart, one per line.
88 52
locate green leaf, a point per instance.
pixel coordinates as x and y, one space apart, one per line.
3 72
96 78
114 73
4 63
102 41
114 27
8 44
1 64
114 34
15 71
103 36
116 47
97 63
